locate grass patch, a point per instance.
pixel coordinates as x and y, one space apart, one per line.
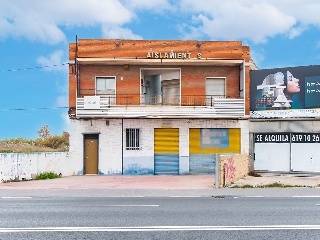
271 185
244 186
47 175
16 180
40 176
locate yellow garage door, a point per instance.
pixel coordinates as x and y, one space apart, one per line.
166 151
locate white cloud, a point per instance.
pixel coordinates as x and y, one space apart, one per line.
190 32
45 21
154 5
119 32
250 19
53 62
258 56
65 118
296 31
62 101
233 21
39 20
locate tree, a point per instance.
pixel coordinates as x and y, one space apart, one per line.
44 132
65 135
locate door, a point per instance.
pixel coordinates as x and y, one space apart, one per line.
305 152
153 89
91 154
272 152
170 92
166 151
215 88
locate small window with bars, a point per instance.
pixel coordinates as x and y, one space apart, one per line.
132 139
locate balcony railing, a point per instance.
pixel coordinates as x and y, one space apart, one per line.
159 106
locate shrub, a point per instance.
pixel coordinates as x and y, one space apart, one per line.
47 175
55 142
49 144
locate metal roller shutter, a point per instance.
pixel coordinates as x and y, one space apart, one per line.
166 151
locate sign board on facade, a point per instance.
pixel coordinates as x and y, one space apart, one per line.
285 92
287 137
272 138
171 55
295 151
91 102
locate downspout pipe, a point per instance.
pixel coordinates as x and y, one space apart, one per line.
77 68
122 145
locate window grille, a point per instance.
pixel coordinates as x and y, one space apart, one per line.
132 139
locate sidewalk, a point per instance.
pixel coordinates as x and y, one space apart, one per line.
159 182
117 182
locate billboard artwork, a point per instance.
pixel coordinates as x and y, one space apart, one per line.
283 92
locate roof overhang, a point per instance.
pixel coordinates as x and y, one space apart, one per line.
160 61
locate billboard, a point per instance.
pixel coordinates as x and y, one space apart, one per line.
285 92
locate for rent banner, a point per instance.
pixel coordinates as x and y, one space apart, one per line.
285 92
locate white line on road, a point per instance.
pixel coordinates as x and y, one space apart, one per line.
310 196
127 196
121 205
185 196
253 196
115 205
15 197
163 228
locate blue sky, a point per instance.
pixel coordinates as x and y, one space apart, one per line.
34 38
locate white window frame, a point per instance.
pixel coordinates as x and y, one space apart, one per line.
133 138
225 86
106 78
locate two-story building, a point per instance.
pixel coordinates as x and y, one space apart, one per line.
157 106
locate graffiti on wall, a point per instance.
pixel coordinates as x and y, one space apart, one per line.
229 170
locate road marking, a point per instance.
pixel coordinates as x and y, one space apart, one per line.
127 196
16 197
310 196
120 205
253 196
163 228
133 205
185 196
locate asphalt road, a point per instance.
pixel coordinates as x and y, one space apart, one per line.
219 217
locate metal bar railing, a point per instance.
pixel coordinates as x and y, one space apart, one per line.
173 100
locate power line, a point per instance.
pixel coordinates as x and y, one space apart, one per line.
33 68
27 109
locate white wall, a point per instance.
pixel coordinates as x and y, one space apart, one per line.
24 165
109 144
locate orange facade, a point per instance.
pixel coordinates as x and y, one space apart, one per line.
124 59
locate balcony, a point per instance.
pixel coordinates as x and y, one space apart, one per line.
143 106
